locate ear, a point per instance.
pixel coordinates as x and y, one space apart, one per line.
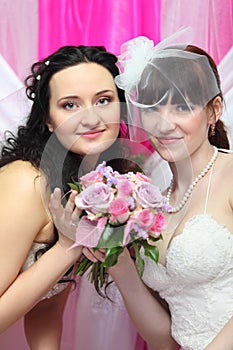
50 127
216 110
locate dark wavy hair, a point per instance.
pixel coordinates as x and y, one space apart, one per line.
31 141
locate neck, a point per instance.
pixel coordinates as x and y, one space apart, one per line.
186 170
88 163
184 195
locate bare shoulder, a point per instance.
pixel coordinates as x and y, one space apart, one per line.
226 163
21 182
18 168
226 174
21 174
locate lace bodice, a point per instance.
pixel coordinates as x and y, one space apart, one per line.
31 258
197 281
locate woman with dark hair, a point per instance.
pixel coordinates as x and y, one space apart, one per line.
177 93
74 123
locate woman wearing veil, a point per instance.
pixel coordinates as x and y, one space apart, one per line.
175 92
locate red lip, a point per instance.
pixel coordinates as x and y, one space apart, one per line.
168 140
92 134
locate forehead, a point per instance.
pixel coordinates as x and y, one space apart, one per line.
83 76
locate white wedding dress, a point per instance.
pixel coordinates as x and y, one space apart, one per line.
196 281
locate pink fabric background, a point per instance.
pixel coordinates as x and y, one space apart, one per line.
110 23
101 22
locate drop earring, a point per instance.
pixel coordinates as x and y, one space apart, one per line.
212 129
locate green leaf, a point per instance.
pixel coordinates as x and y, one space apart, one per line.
112 256
111 237
102 274
151 251
139 260
97 276
155 239
76 186
83 266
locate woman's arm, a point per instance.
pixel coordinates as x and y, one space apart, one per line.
224 339
23 216
43 324
148 315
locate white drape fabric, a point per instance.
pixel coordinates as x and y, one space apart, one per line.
212 22
19 34
14 106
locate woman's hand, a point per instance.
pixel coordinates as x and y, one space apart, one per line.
64 218
124 259
94 256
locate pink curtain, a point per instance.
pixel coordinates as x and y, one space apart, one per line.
96 22
18 34
212 23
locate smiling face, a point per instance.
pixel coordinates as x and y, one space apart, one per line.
84 108
177 104
178 130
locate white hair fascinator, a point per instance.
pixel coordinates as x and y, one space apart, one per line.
136 53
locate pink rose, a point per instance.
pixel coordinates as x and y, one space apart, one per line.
95 198
141 177
91 178
119 210
125 188
145 219
148 195
140 223
158 225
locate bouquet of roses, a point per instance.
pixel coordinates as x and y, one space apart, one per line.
118 210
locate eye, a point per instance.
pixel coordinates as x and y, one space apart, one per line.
70 106
148 110
185 107
103 101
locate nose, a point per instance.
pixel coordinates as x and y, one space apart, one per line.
90 117
163 122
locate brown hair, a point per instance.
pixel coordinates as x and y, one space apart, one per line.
219 139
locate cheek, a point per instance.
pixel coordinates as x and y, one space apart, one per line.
112 120
195 127
148 125
114 128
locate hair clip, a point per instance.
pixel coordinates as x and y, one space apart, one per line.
47 63
38 77
33 95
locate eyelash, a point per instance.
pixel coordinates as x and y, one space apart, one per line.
180 109
68 106
108 99
72 105
185 108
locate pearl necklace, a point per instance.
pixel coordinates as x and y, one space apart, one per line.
191 187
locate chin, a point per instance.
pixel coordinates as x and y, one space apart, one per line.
101 147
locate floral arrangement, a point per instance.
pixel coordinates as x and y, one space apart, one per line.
117 210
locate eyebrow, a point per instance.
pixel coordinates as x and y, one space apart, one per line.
97 94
